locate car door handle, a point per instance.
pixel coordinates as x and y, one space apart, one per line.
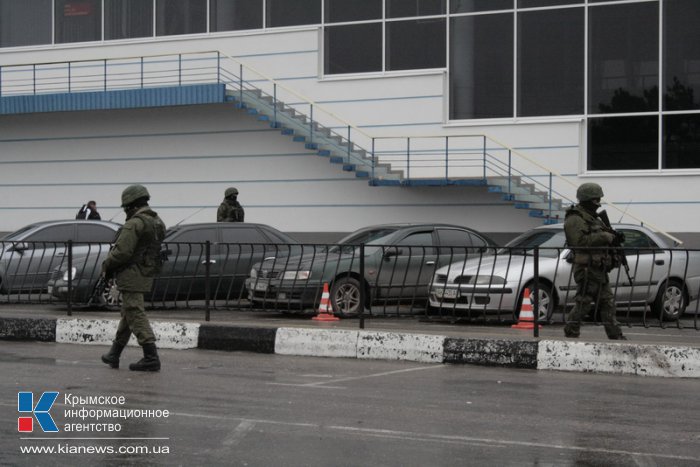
659 262
211 261
430 263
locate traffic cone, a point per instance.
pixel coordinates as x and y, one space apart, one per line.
325 308
526 320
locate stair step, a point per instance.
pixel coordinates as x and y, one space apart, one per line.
263 118
362 174
521 205
275 125
551 221
349 167
313 146
299 139
252 111
241 105
336 160
324 152
287 131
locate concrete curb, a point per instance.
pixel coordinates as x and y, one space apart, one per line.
612 358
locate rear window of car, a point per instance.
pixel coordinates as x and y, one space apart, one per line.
95 233
53 233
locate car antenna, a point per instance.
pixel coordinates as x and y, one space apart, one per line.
196 212
112 218
625 211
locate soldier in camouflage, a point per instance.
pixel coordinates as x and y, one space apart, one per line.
133 261
230 210
591 264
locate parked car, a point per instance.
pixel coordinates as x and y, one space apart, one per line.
664 278
234 248
399 261
29 255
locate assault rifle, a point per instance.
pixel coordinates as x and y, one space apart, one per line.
617 242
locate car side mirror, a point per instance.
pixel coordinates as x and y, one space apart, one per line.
393 252
19 247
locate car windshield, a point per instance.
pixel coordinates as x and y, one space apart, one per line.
347 244
550 243
18 233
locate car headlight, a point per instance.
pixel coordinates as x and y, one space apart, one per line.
67 277
296 275
253 273
487 280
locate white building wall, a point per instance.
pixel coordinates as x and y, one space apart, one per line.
382 104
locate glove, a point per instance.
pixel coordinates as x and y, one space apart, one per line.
620 237
610 238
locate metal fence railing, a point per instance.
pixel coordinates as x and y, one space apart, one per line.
435 283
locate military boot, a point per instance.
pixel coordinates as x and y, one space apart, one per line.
111 358
150 360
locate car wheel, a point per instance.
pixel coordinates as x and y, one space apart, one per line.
547 300
345 296
670 302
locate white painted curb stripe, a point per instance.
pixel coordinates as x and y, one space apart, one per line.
316 342
648 360
426 348
169 335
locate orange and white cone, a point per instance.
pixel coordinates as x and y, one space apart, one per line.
325 308
526 320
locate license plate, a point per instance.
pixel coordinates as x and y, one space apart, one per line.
446 293
260 286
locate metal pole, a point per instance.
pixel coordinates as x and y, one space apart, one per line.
510 155
408 158
69 77
179 69
550 195
240 83
34 78
141 72
484 157
274 104
372 159
105 74
218 66
536 291
0 81
70 277
207 285
348 144
311 124
447 158
362 286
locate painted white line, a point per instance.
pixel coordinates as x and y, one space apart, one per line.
375 375
243 428
306 385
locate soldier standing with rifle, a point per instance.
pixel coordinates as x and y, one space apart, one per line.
230 210
591 264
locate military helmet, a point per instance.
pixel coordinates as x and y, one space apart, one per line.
589 191
132 193
230 192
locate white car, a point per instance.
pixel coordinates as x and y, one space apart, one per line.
664 278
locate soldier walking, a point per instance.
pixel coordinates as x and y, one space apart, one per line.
591 265
230 210
134 260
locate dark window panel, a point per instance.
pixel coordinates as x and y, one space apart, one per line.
293 12
623 143
538 3
128 18
235 15
623 58
175 17
551 62
481 66
403 8
681 54
78 21
25 23
469 6
337 11
415 44
681 142
353 49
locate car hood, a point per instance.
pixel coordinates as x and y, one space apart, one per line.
500 265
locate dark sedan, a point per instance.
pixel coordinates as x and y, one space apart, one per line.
399 263
233 249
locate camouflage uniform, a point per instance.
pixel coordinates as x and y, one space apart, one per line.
584 228
134 260
230 210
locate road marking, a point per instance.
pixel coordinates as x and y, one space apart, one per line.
445 439
306 385
243 428
324 384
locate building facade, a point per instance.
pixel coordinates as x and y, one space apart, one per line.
571 89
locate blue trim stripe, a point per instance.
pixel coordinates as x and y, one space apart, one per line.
139 135
156 158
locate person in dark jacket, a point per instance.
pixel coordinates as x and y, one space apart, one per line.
133 261
89 212
230 210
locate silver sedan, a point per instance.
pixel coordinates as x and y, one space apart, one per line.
664 278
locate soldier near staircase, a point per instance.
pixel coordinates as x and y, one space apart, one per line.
133 261
230 210
591 263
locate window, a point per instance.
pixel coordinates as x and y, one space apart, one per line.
242 235
623 58
416 244
551 62
353 49
195 238
54 233
293 12
337 11
181 17
402 8
481 66
681 141
537 3
27 22
623 143
233 15
681 55
469 6
78 21
128 18
95 233
415 44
